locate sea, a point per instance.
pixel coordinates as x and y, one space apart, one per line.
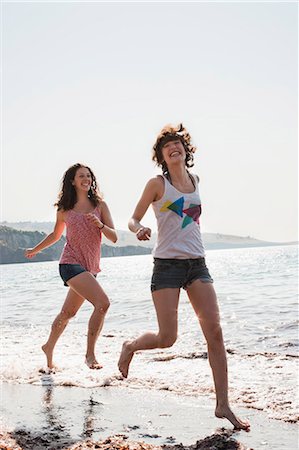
257 291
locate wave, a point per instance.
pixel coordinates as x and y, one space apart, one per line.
204 355
193 355
277 400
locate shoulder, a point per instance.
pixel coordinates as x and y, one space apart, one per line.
102 206
156 182
103 209
152 190
155 186
61 215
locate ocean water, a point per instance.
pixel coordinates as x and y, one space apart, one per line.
257 292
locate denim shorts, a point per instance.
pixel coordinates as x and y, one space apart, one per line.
178 273
68 271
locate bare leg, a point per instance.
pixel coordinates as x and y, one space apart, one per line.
166 304
86 285
69 309
204 302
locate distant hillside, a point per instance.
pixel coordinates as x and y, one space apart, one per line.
13 243
217 241
212 241
124 237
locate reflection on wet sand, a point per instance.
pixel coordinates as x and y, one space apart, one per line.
56 432
92 410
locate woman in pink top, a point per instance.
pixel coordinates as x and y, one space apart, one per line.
86 216
179 260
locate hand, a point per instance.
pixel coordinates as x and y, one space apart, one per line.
30 253
92 218
144 234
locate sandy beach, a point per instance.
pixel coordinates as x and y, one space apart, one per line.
168 398
58 417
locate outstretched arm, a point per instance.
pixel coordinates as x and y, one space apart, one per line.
50 239
151 193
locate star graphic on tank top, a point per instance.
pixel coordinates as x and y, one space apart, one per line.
192 214
164 208
186 221
193 211
176 206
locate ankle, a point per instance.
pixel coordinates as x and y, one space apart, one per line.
223 404
130 346
47 347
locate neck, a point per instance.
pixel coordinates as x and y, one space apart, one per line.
178 174
82 197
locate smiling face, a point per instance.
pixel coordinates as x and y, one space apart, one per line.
174 152
82 179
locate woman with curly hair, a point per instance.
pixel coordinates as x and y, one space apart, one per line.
86 216
179 260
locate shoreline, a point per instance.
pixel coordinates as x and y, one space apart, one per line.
59 417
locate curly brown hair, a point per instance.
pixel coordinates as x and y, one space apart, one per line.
67 197
172 133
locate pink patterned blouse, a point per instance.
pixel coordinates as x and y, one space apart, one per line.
83 241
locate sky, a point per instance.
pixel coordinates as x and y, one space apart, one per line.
94 82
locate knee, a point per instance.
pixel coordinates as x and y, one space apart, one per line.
103 306
106 306
66 314
167 340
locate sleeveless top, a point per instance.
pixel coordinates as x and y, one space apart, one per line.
83 241
177 215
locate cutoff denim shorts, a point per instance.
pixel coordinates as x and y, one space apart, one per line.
68 271
178 273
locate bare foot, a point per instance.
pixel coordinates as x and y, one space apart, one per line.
49 355
92 363
125 359
226 413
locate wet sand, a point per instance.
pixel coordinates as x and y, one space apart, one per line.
56 417
22 441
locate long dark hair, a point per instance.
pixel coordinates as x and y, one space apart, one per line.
172 133
67 197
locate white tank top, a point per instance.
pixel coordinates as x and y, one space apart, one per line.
177 215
